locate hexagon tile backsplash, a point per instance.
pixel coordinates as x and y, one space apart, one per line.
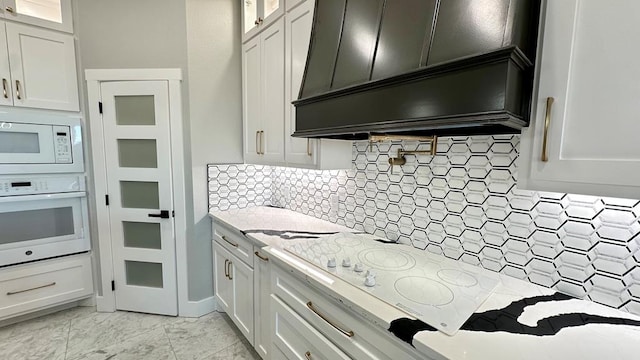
462 203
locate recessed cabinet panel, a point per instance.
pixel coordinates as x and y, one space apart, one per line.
272 94
50 84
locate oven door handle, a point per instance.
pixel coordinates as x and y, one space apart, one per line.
57 196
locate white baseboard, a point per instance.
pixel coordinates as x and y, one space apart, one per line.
198 308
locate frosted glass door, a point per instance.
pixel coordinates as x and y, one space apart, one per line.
137 141
53 14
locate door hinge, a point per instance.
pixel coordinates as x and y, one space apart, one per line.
113 285
106 200
173 213
100 106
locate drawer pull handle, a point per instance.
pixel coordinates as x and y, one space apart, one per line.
4 88
308 355
226 268
35 288
229 271
230 243
344 332
263 258
547 121
18 90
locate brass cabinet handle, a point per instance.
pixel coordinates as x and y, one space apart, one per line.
229 271
227 240
344 332
4 88
9 9
263 258
18 90
257 22
261 142
309 147
226 264
257 143
547 121
35 288
260 20
308 355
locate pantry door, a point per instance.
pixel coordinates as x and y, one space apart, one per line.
137 141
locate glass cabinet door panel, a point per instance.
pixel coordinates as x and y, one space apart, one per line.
270 6
250 14
50 10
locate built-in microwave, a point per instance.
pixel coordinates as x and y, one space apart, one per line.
42 217
40 144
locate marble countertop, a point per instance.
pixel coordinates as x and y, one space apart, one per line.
520 320
269 226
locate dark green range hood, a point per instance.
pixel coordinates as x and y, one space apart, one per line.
427 67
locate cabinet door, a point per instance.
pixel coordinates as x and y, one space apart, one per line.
50 84
250 21
272 71
52 14
5 72
242 307
588 66
223 286
262 305
251 107
299 151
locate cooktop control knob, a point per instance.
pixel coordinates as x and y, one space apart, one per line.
370 273
370 281
331 263
346 262
358 267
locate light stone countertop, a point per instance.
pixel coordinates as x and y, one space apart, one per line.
520 320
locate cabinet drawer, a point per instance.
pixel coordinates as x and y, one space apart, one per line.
34 286
297 339
355 335
234 242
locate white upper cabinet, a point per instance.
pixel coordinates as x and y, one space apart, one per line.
42 68
263 96
588 66
5 69
52 14
257 15
300 152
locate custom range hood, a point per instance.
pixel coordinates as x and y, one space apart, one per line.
420 67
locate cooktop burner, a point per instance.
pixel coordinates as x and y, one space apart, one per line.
386 259
441 292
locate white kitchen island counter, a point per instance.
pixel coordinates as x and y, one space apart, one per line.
519 320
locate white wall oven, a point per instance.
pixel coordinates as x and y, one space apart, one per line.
35 143
42 216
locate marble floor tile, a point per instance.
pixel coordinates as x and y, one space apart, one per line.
195 339
100 330
152 345
241 350
36 342
44 322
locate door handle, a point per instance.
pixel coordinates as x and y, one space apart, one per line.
4 88
226 273
229 270
18 90
547 120
164 214
262 142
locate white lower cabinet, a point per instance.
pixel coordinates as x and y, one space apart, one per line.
319 321
242 286
36 286
234 289
297 339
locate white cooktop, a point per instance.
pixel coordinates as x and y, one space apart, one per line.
441 292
